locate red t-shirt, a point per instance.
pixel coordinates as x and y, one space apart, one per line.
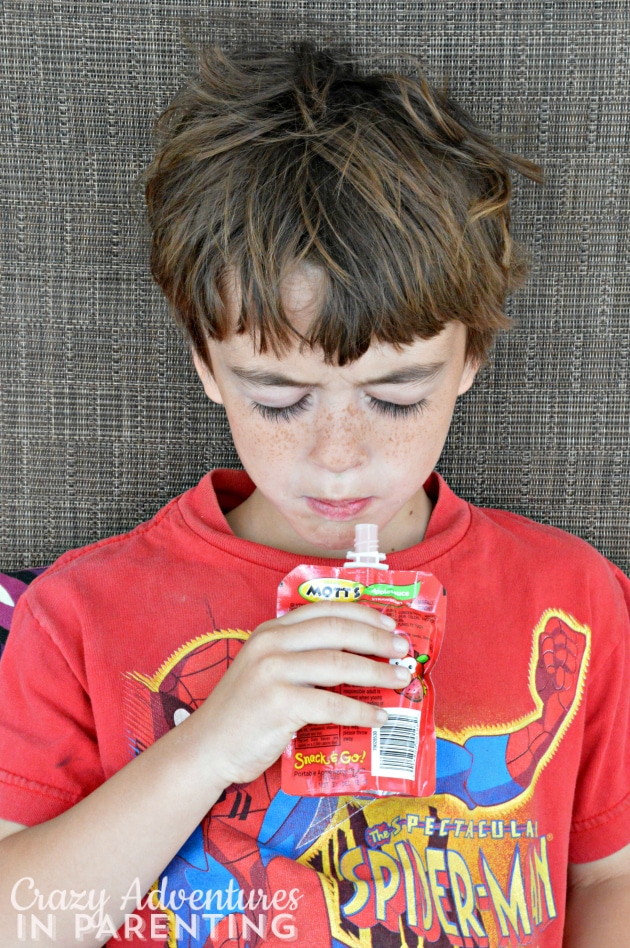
117 641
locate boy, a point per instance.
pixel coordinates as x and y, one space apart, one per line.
338 251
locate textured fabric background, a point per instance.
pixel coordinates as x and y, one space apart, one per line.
101 419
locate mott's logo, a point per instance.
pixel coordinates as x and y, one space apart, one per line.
337 589
345 590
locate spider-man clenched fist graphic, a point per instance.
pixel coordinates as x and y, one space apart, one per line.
557 674
494 766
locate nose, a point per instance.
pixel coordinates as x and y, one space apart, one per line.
339 443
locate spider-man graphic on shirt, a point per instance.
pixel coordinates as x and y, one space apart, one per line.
257 838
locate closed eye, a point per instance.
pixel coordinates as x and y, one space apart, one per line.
271 413
396 410
281 414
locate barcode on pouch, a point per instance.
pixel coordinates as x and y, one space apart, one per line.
395 744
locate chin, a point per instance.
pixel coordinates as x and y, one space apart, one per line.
334 538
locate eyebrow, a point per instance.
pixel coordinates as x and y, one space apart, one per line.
413 373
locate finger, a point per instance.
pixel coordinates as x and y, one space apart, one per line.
352 610
329 707
332 632
325 668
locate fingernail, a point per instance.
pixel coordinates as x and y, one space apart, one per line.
403 673
382 716
388 622
401 644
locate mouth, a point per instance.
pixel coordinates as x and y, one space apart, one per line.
339 509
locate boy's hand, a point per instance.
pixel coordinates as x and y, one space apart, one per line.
275 684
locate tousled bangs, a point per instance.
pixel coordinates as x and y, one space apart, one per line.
269 161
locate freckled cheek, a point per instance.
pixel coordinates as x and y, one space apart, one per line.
260 440
414 441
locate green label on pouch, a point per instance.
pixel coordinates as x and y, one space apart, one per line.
403 593
346 590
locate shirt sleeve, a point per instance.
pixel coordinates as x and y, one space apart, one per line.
601 813
49 757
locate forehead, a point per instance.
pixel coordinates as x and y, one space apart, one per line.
308 365
302 291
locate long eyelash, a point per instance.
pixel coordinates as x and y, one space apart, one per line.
398 411
385 408
281 414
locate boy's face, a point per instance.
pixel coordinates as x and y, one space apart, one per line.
328 446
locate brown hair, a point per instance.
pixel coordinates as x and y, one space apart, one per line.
271 158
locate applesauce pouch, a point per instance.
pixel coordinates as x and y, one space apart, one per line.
399 757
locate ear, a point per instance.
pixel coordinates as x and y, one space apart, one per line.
204 372
469 373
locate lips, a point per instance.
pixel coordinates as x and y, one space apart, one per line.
338 509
